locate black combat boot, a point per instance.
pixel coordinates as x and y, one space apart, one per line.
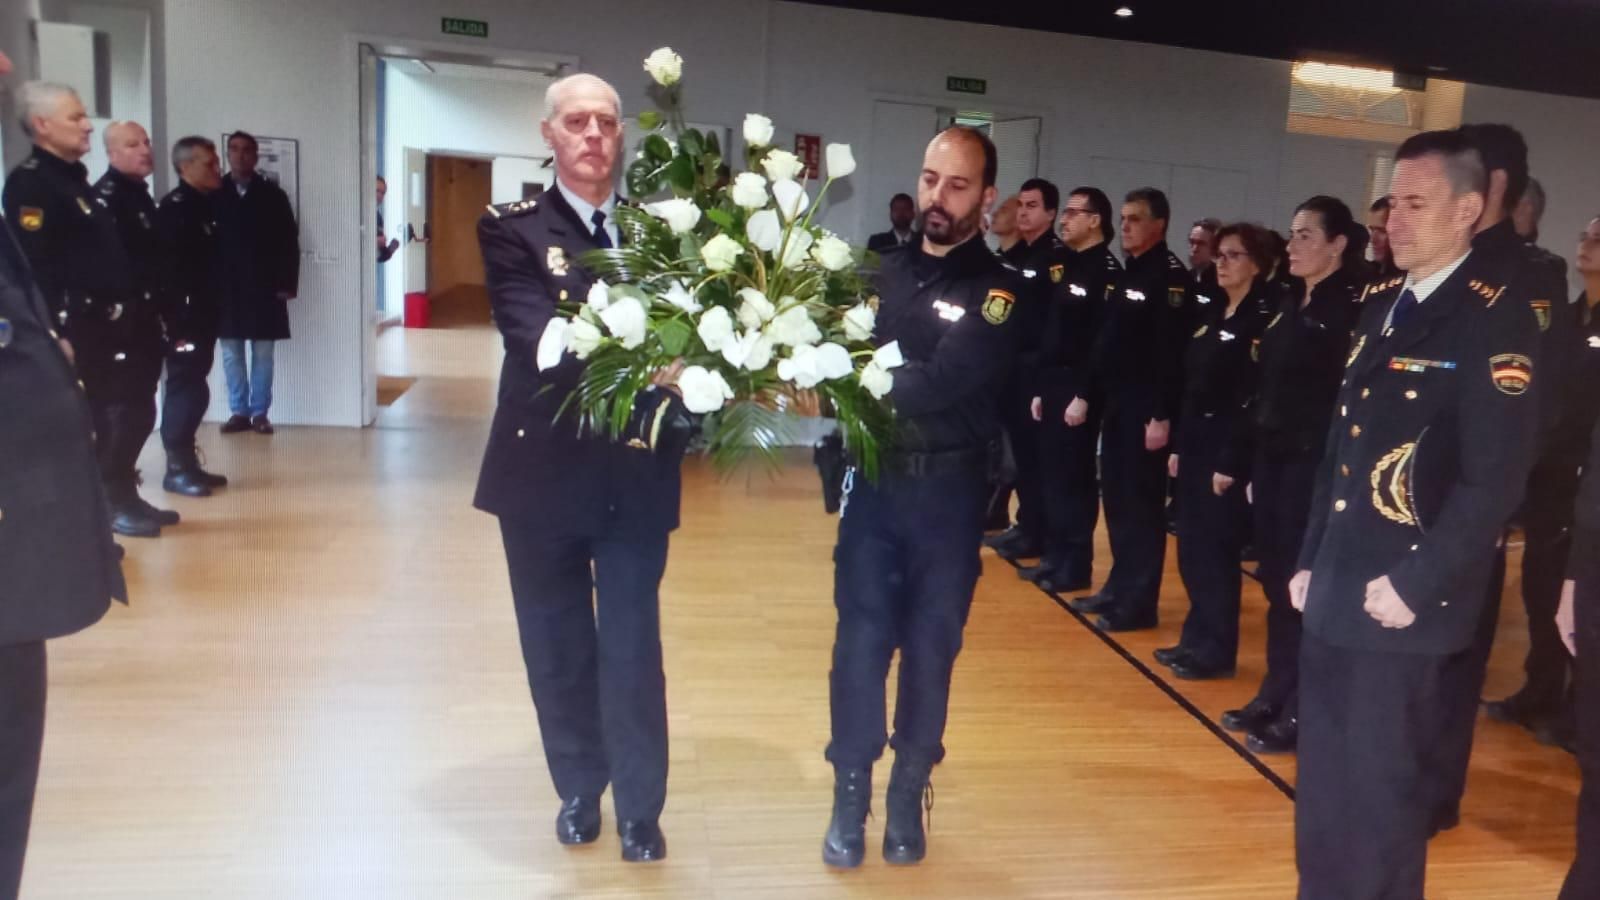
846 841
211 479
166 517
904 841
127 517
184 475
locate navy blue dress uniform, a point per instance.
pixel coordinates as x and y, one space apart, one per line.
1033 260
187 222
1137 367
1080 283
907 558
1434 432
1583 567
1221 373
1303 353
59 563
261 256
585 522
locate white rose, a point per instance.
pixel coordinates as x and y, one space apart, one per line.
752 350
757 130
877 380
583 337
795 254
756 310
715 328
750 190
665 66
704 391
792 199
859 320
764 230
627 321
794 328
832 254
888 356
599 296
680 215
720 253
781 165
841 162
552 344
833 361
678 295
801 369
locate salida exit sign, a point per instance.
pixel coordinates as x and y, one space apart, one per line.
466 27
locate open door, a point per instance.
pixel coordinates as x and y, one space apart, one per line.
369 234
414 230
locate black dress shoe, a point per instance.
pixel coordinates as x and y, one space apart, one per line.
129 520
642 842
1517 709
1063 583
186 482
1093 604
995 541
1037 571
1256 714
1117 620
1168 656
1275 737
163 517
236 425
578 822
261 425
1191 669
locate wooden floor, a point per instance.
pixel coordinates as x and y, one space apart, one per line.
318 693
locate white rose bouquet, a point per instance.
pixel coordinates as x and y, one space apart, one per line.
731 277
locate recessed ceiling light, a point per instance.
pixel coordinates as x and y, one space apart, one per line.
1124 12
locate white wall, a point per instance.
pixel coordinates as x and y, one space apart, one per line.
512 172
1108 106
127 30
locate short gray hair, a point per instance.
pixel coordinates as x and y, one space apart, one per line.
557 93
111 128
36 98
185 150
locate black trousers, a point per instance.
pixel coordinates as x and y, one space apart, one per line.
1583 881
1463 680
588 613
188 395
1134 487
904 571
1211 533
1070 486
22 701
124 418
1023 433
1364 806
1547 530
1282 488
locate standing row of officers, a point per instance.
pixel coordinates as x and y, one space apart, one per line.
132 285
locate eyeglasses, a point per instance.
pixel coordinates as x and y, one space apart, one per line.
578 123
1232 256
1069 212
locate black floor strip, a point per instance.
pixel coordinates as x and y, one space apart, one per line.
1218 731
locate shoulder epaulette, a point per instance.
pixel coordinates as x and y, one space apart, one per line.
1173 262
107 186
1489 292
30 163
520 207
1378 287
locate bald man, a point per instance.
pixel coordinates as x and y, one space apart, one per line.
131 403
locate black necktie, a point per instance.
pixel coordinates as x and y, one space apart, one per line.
600 235
1403 308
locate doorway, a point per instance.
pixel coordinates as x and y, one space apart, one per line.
458 190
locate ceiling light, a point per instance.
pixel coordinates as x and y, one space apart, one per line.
1344 76
1124 12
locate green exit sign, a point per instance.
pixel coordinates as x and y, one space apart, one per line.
958 85
466 27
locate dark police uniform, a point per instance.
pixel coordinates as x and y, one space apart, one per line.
1303 353
1137 368
568 501
138 331
1022 432
59 563
1583 881
907 558
1221 373
1434 432
187 221
1080 284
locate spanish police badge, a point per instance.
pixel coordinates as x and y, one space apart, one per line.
1512 373
997 306
1057 272
31 218
1541 311
555 259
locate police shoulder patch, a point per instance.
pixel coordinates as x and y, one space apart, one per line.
1175 296
1541 311
1057 271
1512 373
997 306
30 218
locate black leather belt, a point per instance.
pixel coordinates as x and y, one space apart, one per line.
942 463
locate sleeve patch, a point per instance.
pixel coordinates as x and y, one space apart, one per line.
1512 373
997 306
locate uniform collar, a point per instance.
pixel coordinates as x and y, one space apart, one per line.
1498 238
127 180
1156 255
1425 288
584 208
968 257
48 160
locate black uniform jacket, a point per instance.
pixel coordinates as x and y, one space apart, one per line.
187 221
956 319
138 331
539 471
1303 353
1138 355
1221 371
1427 455
59 563
1538 279
1080 284
261 260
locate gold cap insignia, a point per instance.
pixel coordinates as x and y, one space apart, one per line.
997 306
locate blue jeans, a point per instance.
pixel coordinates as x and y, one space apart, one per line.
249 393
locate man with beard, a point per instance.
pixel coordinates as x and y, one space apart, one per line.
907 557
902 209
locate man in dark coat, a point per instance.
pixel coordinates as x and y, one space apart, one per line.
59 563
261 262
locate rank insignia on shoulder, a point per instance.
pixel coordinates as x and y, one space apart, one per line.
1512 373
1175 297
1488 292
30 218
997 306
555 259
1541 311
84 205
1057 272
1275 320
510 209
1378 287
1199 332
